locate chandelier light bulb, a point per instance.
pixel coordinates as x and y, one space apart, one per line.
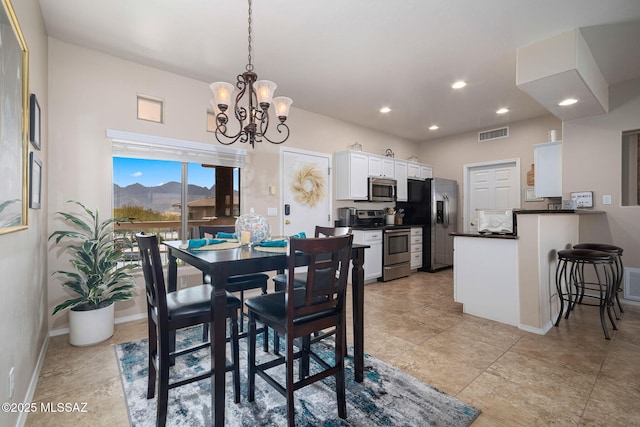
221 94
264 91
282 105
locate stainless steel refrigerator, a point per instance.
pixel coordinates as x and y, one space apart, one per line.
434 205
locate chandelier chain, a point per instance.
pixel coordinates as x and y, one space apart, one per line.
250 65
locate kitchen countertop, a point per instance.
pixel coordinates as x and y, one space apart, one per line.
485 235
556 211
383 227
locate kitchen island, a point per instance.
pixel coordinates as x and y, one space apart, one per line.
511 278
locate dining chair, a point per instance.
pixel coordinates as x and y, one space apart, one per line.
169 311
240 283
299 312
280 280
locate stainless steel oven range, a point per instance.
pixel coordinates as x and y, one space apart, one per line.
396 252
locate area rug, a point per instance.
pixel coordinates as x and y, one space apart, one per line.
387 397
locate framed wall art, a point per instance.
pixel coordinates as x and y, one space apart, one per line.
34 122
14 96
35 181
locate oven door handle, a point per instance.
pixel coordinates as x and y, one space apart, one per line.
399 231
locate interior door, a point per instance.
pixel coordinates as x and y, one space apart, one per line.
306 191
491 186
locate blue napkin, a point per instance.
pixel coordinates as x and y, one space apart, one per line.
223 235
274 243
198 243
301 235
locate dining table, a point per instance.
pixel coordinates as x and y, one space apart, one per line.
220 264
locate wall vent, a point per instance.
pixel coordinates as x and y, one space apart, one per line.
631 284
490 135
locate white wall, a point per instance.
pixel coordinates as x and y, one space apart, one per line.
91 92
23 306
450 154
592 161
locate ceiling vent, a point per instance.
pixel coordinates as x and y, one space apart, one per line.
490 135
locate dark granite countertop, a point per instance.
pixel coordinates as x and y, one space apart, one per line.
556 211
486 235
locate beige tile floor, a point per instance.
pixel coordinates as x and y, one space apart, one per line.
571 376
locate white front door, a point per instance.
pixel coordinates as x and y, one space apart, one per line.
493 185
306 191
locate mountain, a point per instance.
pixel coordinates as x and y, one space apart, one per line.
161 198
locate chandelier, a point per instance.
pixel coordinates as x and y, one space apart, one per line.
252 113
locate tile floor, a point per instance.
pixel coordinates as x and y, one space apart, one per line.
571 376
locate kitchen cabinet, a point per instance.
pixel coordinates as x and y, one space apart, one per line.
426 172
419 171
416 248
547 158
372 255
402 189
351 170
381 166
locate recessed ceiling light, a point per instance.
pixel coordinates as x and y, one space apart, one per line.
385 110
568 101
434 127
502 111
459 84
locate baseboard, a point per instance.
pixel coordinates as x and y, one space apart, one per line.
538 331
125 319
28 399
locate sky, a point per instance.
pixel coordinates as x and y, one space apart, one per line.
152 173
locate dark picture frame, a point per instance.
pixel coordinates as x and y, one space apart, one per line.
35 181
35 133
14 145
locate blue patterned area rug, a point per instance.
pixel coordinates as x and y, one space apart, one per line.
387 397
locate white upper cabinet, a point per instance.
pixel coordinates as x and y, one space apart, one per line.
426 172
547 158
381 166
419 171
402 189
351 170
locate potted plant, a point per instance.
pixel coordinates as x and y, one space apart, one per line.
99 278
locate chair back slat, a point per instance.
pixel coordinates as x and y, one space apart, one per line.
331 231
328 259
153 273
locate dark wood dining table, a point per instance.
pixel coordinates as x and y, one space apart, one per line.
222 263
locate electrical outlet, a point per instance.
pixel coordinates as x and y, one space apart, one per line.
606 200
183 282
11 371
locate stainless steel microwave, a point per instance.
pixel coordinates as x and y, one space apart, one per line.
382 189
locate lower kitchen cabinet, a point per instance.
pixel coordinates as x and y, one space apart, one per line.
416 248
372 255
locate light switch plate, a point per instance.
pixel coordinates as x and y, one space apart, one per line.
606 199
272 211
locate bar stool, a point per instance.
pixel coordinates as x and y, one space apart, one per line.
570 273
618 268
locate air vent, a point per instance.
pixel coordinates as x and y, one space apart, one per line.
490 135
632 284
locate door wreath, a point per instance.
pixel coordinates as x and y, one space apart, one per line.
308 186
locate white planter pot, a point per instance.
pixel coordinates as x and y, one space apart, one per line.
90 327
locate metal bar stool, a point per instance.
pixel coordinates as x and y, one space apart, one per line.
571 284
618 268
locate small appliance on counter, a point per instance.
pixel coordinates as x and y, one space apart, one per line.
346 217
495 221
